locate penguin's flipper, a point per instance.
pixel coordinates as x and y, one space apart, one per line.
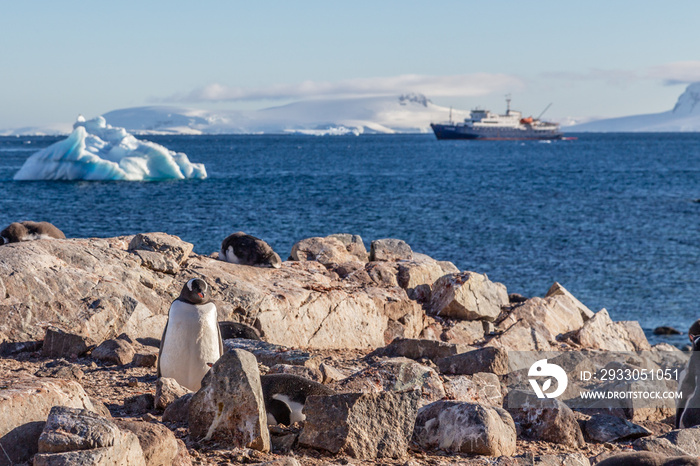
160 350
221 342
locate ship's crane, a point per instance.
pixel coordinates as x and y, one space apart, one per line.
545 109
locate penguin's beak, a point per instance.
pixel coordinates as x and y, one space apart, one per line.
200 295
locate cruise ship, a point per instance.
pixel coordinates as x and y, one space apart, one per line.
482 124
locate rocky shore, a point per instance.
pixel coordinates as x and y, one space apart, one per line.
424 360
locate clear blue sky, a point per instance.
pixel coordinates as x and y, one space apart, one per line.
592 58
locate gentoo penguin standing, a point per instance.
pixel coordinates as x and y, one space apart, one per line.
243 249
688 406
28 231
285 396
191 341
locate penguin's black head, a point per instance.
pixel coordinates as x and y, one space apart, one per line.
696 342
195 291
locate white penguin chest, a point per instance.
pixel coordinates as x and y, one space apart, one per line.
191 343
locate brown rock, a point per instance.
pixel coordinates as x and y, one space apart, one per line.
488 359
167 391
169 246
114 352
467 296
60 344
600 332
389 249
482 388
158 443
328 250
30 399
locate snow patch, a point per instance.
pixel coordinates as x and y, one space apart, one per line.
97 151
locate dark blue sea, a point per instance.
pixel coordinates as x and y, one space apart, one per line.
615 218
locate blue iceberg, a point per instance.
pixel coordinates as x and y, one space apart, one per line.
97 151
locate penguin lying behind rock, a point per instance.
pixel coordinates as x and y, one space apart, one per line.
238 330
191 341
243 249
29 231
285 396
688 406
645 458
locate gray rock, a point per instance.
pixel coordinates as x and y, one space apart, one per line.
230 407
61 369
389 249
482 388
114 352
169 246
383 273
361 425
465 428
302 371
414 348
158 443
167 391
488 359
675 442
60 344
467 296
78 436
563 459
544 419
270 354
396 375
21 443
604 428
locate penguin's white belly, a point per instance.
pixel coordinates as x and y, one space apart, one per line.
190 344
230 256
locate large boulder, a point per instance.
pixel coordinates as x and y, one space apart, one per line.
544 419
551 316
230 407
30 399
465 428
361 425
78 436
600 332
158 443
468 296
95 289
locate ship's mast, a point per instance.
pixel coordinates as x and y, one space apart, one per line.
507 104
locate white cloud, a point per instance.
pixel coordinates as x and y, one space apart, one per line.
467 85
680 72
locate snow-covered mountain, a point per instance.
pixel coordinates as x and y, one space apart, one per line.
684 117
408 113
